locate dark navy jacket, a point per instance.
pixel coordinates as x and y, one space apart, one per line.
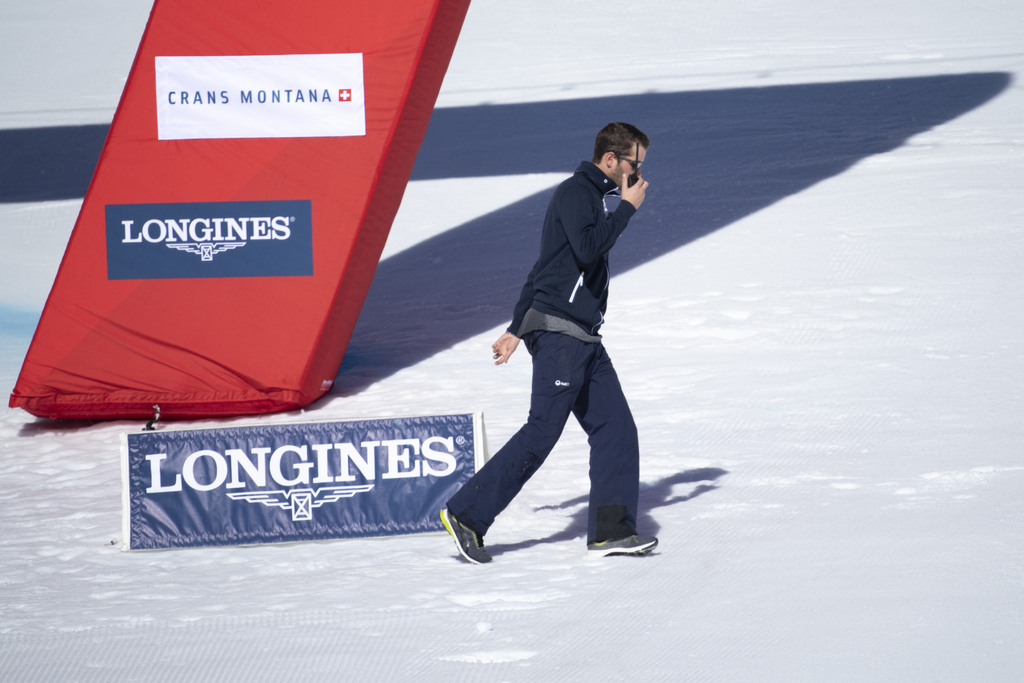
570 279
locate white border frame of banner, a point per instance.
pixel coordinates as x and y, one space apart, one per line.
481 455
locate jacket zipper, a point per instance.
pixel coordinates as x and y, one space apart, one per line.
579 283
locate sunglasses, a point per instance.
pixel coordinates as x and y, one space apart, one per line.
632 162
635 163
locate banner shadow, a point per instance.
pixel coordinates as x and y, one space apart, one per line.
716 156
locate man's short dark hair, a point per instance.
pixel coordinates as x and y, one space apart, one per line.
619 138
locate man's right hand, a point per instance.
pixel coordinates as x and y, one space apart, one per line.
504 347
634 195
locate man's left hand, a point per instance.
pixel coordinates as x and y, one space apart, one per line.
504 347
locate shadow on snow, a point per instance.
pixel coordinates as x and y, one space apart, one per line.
45 164
716 156
652 496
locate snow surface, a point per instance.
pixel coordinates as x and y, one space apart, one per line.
828 388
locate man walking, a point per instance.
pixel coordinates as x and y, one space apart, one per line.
558 316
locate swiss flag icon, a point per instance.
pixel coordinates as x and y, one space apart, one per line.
344 95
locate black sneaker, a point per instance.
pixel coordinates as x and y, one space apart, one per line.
469 542
631 545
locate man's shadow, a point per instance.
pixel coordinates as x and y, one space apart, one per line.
652 496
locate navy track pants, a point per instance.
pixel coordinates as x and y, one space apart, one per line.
569 376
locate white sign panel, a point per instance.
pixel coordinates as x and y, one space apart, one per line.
260 96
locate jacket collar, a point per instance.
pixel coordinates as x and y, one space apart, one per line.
596 176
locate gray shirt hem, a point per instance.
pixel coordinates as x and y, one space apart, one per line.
535 320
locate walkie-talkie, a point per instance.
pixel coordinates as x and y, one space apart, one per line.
634 176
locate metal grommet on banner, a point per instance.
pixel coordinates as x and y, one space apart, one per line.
151 425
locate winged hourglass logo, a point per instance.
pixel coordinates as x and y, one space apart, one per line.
206 250
301 501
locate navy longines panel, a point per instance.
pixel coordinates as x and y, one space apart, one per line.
209 239
278 483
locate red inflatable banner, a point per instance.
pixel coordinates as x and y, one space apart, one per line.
239 208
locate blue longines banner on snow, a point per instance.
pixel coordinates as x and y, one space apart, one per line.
294 482
209 239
